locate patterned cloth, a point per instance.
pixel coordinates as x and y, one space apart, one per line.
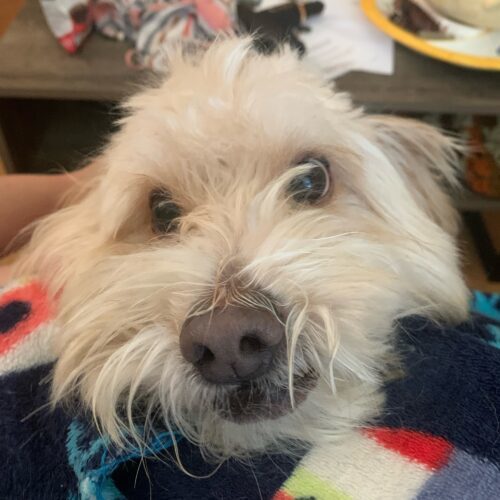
147 24
438 438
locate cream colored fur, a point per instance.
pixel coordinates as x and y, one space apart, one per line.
222 133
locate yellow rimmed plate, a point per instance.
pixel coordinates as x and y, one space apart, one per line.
464 46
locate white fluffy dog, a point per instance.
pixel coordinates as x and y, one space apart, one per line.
237 269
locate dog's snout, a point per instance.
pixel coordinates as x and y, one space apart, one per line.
233 344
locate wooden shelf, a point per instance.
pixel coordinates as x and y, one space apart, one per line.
471 202
34 65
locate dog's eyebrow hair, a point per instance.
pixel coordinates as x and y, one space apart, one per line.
308 154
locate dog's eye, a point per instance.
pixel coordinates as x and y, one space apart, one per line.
164 211
311 185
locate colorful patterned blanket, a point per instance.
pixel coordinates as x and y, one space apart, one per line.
438 438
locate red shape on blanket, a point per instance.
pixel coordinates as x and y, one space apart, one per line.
431 451
282 495
25 308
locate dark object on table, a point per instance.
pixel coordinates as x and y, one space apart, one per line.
279 24
413 18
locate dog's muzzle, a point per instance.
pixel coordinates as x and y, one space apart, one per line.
232 345
241 349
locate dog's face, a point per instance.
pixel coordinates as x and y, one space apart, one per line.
236 271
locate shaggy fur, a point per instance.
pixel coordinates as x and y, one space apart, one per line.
223 134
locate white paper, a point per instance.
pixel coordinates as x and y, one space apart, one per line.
342 39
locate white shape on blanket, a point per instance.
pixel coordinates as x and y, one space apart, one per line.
365 470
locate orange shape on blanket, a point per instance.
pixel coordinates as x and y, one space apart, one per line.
431 451
22 310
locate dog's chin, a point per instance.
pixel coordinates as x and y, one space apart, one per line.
251 402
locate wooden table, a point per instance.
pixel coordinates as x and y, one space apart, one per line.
33 65
53 104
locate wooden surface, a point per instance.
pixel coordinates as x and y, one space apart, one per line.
469 201
8 11
33 65
474 272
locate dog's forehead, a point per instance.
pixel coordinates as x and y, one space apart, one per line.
233 91
234 114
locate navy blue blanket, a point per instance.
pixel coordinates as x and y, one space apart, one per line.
451 391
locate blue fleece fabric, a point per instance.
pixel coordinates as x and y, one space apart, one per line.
450 389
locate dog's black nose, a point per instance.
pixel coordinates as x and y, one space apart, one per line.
233 344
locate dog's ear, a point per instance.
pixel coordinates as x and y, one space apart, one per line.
427 159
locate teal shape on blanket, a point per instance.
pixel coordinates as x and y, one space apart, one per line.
488 305
94 462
